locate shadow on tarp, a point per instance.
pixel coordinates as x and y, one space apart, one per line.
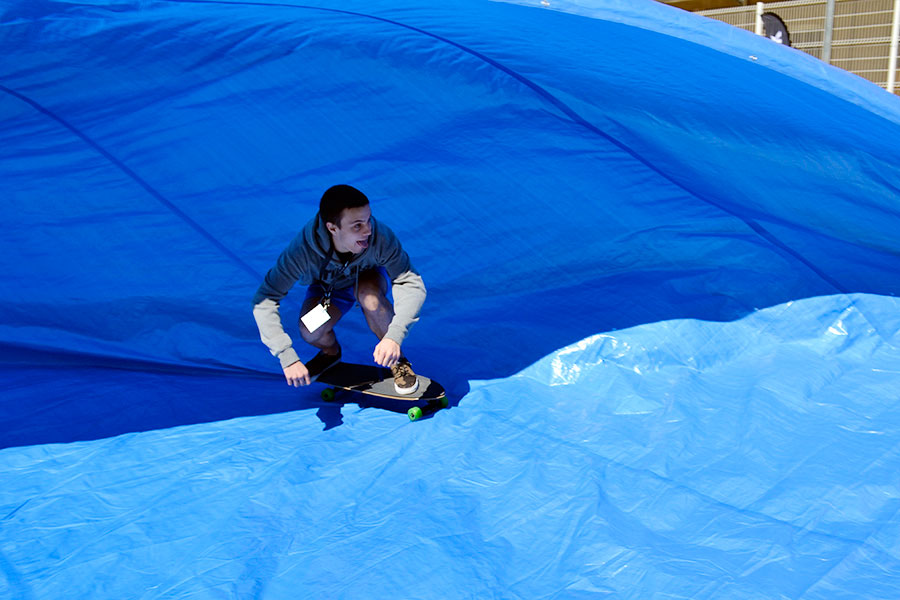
53 397
70 400
61 398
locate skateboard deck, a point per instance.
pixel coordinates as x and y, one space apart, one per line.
378 381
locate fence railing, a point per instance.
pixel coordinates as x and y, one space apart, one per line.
860 36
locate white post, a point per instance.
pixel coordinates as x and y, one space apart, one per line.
760 7
829 31
895 42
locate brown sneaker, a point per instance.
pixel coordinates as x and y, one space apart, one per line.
405 381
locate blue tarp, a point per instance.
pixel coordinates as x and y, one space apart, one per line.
661 256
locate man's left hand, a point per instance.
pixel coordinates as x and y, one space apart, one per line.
387 353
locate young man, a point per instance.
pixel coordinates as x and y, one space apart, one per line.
343 255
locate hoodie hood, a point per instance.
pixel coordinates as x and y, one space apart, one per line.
318 240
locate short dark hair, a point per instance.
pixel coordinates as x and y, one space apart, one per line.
336 199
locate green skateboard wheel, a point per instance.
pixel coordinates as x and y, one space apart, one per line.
328 394
444 402
415 413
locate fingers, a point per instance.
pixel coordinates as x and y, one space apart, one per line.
297 375
387 353
299 381
386 361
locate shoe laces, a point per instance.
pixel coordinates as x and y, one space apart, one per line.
401 369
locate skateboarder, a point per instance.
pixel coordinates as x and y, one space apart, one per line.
343 256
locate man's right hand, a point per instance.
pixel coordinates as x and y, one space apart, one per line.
296 374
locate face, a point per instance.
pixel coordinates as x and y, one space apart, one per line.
354 231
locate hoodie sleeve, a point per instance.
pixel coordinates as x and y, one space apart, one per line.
290 268
407 285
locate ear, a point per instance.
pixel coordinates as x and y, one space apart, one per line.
331 227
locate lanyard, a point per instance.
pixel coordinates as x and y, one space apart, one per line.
326 300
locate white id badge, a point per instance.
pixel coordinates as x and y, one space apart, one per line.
315 318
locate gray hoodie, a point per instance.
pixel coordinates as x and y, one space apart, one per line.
304 260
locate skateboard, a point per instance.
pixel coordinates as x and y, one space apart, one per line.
378 381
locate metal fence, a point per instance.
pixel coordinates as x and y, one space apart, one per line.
860 36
